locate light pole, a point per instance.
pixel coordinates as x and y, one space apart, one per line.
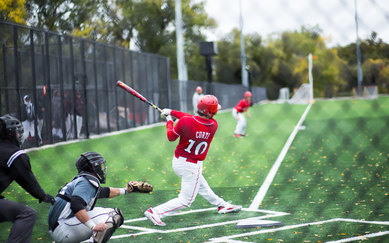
242 52
359 72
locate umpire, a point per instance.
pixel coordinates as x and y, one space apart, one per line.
15 166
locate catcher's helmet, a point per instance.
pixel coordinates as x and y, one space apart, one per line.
208 105
11 129
92 162
247 94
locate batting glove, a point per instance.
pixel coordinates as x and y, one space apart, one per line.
166 112
169 118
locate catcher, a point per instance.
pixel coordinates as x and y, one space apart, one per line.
74 217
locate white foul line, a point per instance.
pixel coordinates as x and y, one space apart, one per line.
288 227
362 237
266 184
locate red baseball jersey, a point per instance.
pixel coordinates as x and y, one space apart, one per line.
196 134
243 105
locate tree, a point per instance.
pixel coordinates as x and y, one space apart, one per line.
155 20
61 15
13 10
228 68
375 73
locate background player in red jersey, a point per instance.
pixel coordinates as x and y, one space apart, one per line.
237 112
196 134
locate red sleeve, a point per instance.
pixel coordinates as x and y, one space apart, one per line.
179 114
171 135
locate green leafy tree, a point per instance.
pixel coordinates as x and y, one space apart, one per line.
155 21
375 73
62 16
13 10
374 62
228 63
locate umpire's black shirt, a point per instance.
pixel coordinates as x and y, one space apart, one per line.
15 165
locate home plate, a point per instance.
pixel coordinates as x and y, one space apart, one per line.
252 223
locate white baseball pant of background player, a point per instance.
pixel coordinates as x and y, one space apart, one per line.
72 230
29 129
241 125
192 182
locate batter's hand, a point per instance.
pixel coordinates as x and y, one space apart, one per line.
166 112
169 118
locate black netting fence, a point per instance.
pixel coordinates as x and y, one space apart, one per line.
71 84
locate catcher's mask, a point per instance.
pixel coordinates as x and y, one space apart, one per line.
12 130
92 162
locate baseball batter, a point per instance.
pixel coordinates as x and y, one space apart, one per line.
237 113
196 134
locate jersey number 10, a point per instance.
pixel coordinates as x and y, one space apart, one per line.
199 149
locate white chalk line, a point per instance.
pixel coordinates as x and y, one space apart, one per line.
144 230
269 178
227 238
362 237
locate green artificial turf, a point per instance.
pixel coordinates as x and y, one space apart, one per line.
337 167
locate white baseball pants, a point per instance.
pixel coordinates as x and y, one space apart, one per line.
241 122
192 183
72 230
29 128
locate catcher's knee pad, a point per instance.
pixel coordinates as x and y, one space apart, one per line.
104 236
117 218
117 221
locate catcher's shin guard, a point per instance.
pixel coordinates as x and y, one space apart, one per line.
117 221
118 218
104 236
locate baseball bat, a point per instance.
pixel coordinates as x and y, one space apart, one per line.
136 94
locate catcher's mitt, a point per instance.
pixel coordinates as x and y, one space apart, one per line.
138 186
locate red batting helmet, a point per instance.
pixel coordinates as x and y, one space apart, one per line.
199 89
247 94
208 105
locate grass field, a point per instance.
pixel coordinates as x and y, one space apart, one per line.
332 185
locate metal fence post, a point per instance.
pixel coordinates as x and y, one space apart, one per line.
132 82
96 88
34 93
83 63
115 90
46 64
17 70
73 78
106 87
125 96
5 78
61 85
